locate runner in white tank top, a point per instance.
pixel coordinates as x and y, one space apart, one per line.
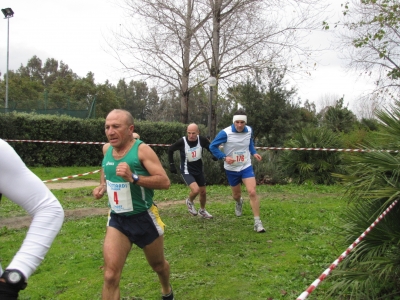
24 188
192 170
238 146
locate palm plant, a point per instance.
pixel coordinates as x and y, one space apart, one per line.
372 269
314 166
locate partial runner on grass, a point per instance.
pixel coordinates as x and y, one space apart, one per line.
25 189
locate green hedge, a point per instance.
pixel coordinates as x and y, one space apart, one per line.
24 126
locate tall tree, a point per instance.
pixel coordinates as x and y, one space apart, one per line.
270 109
45 73
137 98
53 85
178 44
248 36
23 92
284 113
106 99
338 118
167 109
160 44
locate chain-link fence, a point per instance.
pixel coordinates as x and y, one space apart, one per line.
73 109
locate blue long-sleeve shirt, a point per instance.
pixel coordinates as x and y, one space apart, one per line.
232 140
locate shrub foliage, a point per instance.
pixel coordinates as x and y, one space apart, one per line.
313 166
372 269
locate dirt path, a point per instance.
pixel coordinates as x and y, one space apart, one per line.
70 184
25 221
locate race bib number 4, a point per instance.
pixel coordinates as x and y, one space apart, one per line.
193 154
119 196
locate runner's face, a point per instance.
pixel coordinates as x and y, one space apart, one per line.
117 130
239 125
192 132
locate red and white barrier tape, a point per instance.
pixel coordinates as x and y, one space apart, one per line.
56 142
72 176
72 142
326 149
314 285
260 148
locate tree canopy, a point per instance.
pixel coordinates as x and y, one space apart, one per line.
370 38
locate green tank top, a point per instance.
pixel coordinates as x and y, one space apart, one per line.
141 199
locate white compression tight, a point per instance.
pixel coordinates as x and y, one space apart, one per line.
24 188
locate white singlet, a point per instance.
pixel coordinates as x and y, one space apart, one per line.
24 188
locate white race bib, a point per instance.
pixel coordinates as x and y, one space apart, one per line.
240 157
193 154
119 196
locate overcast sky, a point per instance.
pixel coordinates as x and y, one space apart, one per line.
74 31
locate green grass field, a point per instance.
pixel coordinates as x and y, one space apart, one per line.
222 258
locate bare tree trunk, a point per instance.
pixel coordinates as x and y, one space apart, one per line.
186 64
213 122
215 61
185 108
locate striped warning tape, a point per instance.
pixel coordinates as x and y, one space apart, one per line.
56 142
326 149
314 285
71 142
260 148
72 176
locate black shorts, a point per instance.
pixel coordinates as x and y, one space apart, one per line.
141 229
199 179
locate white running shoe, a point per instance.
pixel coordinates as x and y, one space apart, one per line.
258 226
238 207
192 210
205 214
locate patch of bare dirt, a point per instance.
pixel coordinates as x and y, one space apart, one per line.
25 221
71 184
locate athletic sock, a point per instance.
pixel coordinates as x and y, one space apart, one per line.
168 294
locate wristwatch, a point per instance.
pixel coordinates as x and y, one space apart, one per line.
135 178
15 278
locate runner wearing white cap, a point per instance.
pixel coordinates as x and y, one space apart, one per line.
238 145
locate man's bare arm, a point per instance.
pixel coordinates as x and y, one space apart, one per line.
158 178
